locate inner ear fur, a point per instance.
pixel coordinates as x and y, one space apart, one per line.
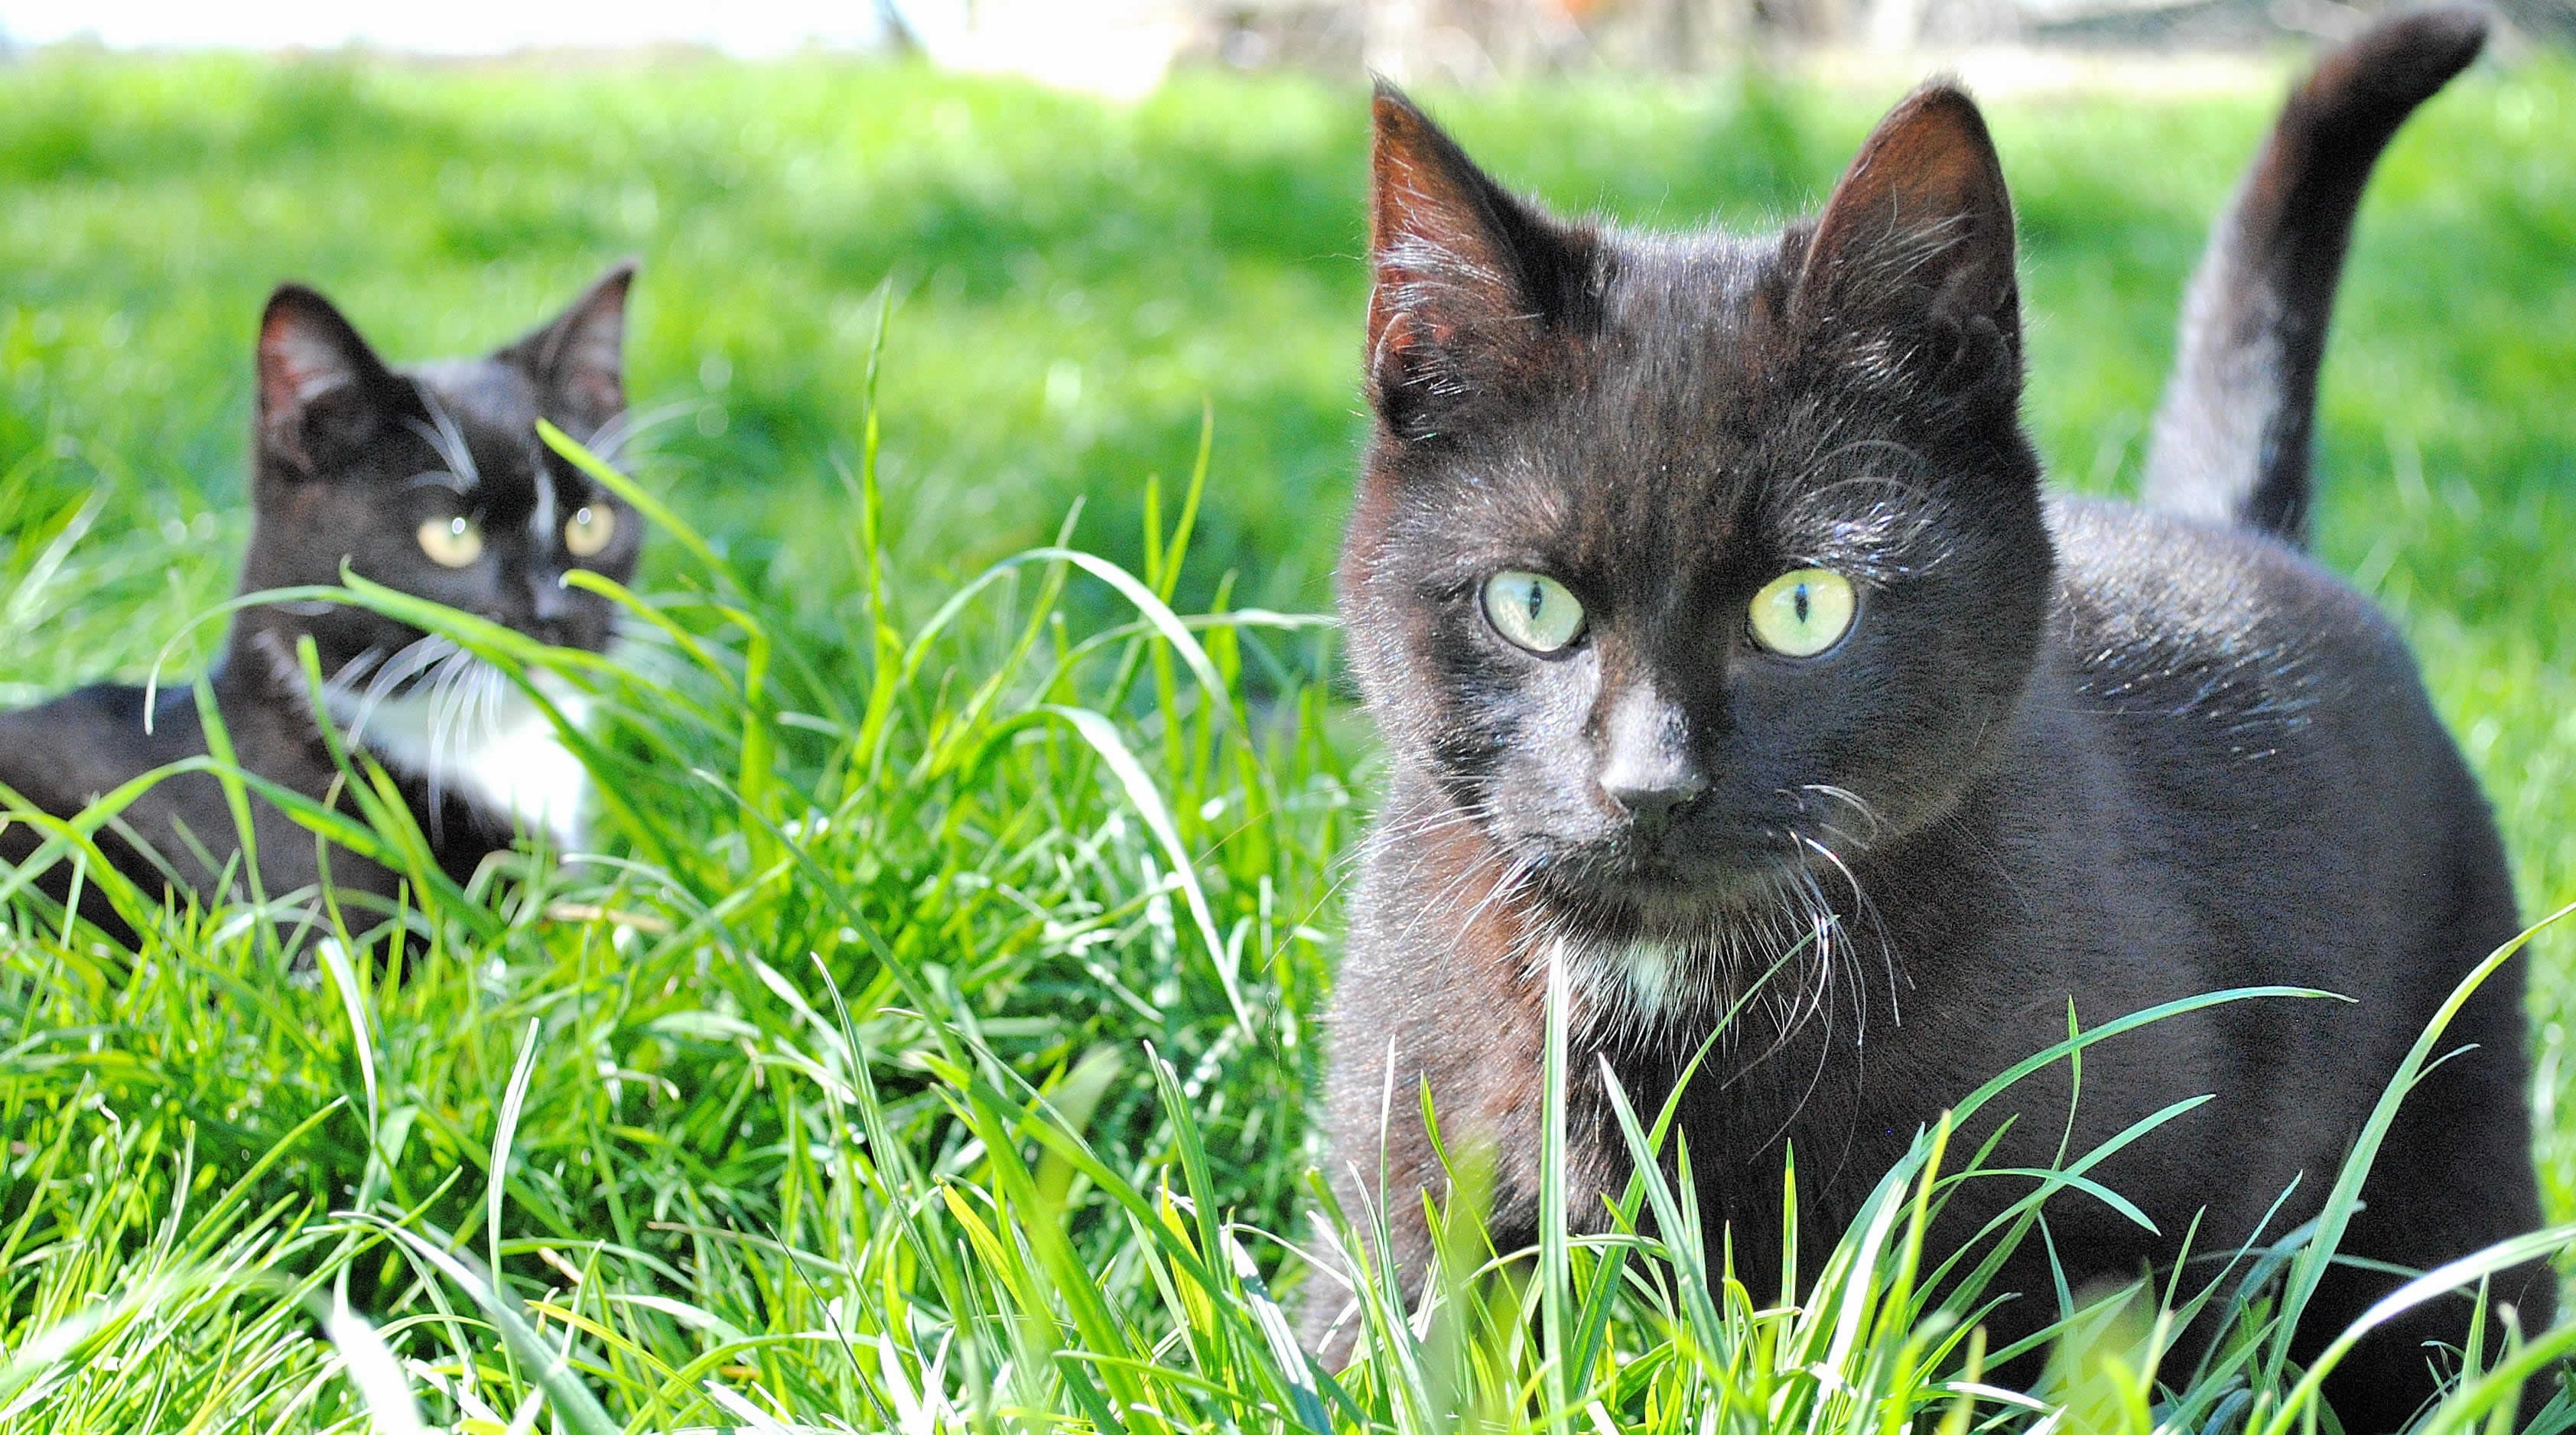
1464 273
319 382
1920 228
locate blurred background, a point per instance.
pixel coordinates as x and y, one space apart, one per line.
1093 231
1095 223
1125 45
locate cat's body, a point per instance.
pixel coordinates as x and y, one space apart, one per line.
1965 961
2057 752
430 481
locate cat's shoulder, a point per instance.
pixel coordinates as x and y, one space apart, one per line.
2177 616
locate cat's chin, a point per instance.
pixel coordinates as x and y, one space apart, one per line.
1662 891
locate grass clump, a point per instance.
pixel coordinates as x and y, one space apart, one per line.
926 1052
858 885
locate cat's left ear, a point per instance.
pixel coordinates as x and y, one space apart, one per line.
1469 280
579 359
1918 240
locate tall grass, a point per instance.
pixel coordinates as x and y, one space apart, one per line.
1080 281
924 1048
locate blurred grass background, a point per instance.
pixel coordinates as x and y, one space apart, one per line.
1074 284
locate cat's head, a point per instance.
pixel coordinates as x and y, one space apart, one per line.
1685 564
432 480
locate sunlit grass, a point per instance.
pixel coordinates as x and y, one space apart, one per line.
928 1057
928 1046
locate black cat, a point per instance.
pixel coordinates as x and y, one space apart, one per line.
1710 603
431 481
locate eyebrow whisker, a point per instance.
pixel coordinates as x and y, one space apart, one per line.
443 436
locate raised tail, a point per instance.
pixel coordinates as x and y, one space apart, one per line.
2232 437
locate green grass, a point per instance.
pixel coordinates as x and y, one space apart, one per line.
944 1016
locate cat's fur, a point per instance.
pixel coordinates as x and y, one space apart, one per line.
2068 752
350 459
2232 437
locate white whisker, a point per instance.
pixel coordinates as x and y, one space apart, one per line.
448 442
441 716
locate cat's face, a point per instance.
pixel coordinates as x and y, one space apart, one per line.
1685 566
433 481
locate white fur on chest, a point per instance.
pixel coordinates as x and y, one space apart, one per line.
502 754
1654 972
1642 979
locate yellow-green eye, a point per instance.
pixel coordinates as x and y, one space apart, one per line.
452 542
589 531
1800 614
1532 610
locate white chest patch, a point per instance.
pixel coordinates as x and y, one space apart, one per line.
1630 980
497 750
1651 970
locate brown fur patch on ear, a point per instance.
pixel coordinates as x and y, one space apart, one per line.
1921 219
1432 243
307 350
1468 278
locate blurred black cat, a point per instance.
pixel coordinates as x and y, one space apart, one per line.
1708 598
431 481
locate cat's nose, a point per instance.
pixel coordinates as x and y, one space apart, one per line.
1648 770
1653 801
548 600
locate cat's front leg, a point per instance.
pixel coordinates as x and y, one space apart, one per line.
1441 991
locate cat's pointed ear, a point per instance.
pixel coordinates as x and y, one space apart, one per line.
579 357
319 383
1464 274
1919 237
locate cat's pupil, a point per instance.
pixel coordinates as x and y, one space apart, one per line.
1537 601
1799 597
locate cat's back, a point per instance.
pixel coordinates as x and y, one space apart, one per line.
2280 756
61 756
63 753
2227 644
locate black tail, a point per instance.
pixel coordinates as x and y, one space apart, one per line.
2232 438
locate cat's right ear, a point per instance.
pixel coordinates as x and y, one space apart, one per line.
578 358
1466 277
1917 241
320 386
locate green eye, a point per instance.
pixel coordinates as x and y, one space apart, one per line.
1802 613
1532 610
452 542
588 533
